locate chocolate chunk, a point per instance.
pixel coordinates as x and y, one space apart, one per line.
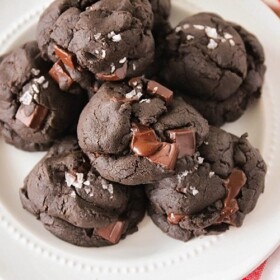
118 75
233 184
34 119
65 57
158 89
185 141
175 219
61 76
144 142
112 232
166 155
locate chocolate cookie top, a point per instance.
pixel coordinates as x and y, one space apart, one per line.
63 189
230 109
206 57
31 102
139 118
111 39
220 191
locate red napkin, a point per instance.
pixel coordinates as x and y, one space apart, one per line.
256 274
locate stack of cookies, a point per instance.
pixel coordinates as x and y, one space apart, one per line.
129 110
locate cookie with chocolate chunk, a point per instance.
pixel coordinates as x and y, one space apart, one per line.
30 101
217 193
108 40
216 65
76 204
136 132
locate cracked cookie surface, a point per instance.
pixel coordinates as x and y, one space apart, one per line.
77 205
196 202
106 125
30 101
216 65
103 35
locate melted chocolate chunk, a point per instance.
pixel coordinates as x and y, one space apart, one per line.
155 88
61 76
33 119
66 57
185 140
166 156
144 142
175 219
112 232
233 184
118 75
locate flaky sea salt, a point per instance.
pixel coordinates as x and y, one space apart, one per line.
26 98
199 27
227 36
45 85
103 54
145 101
97 36
123 60
190 37
133 66
211 32
212 44
211 174
194 191
35 72
186 26
113 68
200 160
232 43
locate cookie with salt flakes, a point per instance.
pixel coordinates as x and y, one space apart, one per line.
220 191
30 101
75 203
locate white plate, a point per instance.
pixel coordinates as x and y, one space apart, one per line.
27 251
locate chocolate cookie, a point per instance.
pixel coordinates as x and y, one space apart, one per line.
136 133
218 192
110 39
77 205
216 65
30 101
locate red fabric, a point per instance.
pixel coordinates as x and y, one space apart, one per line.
257 273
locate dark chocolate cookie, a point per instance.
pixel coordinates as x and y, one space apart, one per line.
217 65
134 133
110 39
75 203
218 192
30 101
230 109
